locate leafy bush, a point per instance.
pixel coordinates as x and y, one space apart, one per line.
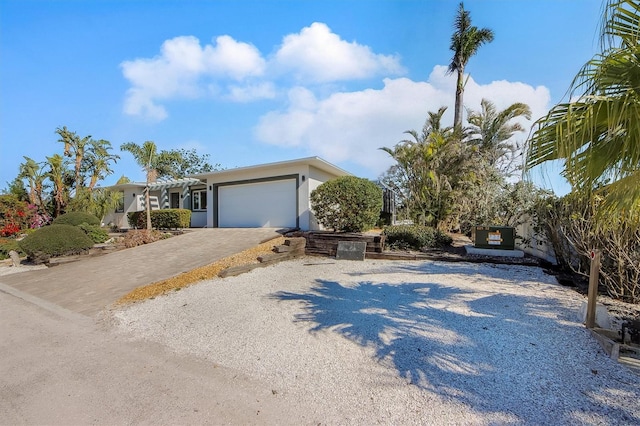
347 204
137 219
97 234
15 215
76 219
417 237
9 229
138 237
572 225
161 219
55 240
6 245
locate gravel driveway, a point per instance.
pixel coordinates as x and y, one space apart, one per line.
400 342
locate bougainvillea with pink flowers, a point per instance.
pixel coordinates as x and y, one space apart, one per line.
17 216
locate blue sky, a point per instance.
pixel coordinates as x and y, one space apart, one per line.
250 82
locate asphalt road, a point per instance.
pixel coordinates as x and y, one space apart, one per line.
60 364
61 367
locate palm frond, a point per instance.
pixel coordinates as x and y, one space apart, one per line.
598 135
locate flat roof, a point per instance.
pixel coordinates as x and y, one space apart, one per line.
194 179
316 162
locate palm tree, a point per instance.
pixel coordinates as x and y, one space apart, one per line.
597 135
424 168
98 161
57 174
490 130
465 42
147 157
34 174
74 146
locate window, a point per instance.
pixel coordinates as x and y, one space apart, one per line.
120 205
199 200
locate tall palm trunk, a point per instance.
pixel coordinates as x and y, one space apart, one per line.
465 42
457 118
78 168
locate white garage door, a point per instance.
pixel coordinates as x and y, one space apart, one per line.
254 205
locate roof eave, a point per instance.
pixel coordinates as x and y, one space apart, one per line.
316 162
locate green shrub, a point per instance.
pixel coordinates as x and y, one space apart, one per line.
416 237
137 219
8 244
97 234
347 204
161 219
76 219
55 240
171 218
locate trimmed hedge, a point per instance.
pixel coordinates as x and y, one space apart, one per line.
55 240
161 219
76 219
347 204
416 237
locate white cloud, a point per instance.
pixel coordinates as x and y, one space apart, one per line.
233 59
351 126
181 71
237 72
138 102
318 55
251 92
291 128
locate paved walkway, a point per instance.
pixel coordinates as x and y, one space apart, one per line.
90 285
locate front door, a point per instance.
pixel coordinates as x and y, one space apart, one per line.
175 200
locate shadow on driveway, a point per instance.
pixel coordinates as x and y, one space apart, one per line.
497 352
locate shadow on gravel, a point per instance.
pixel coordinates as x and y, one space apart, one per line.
498 353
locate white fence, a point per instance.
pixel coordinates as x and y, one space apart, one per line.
534 243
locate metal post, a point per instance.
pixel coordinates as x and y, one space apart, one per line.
593 288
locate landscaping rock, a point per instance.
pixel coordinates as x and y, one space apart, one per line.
15 258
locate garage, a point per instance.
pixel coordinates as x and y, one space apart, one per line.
270 203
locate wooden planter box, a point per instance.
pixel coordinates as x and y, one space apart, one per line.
626 354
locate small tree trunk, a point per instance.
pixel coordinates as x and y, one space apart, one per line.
147 202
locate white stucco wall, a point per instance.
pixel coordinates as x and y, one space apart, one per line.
308 177
131 204
250 174
198 219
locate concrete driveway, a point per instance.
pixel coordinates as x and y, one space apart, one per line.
90 285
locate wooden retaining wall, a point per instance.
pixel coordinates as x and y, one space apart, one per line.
326 243
292 248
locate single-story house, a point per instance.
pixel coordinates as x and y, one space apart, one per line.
275 195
